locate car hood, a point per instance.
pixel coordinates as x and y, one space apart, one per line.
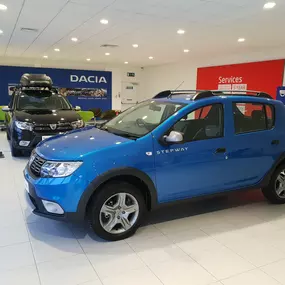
46 116
78 144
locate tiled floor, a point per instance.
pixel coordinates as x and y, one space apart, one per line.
235 240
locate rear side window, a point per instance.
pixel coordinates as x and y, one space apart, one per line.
252 117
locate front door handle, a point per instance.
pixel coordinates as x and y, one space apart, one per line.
220 150
275 142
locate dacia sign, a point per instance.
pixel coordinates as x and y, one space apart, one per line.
87 79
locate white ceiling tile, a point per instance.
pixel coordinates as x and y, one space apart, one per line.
212 27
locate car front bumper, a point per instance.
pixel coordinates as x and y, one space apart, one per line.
33 138
65 192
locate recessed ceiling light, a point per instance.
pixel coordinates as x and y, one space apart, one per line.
107 53
88 59
1 32
135 45
186 50
74 39
57 49
126 62
269 5
3 7
45 56
150 57
181 32
104 21
241 40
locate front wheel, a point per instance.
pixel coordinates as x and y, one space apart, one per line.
115 213
275 191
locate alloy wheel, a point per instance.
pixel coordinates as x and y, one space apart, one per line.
280 184
119 213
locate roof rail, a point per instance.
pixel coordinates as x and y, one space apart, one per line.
242 93
169 93
201 94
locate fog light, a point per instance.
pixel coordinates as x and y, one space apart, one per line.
52 207
24 143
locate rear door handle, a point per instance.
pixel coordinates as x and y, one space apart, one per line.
275 142
220 150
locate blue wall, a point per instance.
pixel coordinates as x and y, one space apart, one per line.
10 75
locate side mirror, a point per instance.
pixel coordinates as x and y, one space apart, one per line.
77 108
173 137
6 109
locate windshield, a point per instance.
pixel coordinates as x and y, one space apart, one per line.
142 118
46 100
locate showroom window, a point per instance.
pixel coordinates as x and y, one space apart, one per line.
252 117
204 123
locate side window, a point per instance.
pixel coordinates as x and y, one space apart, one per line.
204 123
252 117
270 116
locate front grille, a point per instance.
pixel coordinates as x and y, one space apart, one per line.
36 165
52 128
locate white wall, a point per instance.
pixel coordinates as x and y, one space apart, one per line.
119 73
170 76
154 79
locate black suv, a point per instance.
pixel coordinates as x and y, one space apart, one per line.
36 112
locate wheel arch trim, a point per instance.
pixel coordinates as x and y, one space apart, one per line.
103 178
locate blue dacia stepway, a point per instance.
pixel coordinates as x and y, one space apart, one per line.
178 145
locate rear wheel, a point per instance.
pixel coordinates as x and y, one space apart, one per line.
116 212
275 191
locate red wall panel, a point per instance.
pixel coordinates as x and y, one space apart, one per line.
262 76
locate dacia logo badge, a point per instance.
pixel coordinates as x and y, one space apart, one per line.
53 126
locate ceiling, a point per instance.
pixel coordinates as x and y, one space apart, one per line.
212 27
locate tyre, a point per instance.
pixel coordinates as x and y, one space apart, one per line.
15 152
275 191
115 213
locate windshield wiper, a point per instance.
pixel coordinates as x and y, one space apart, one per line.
121 134
127 135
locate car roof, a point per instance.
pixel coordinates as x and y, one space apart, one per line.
192 96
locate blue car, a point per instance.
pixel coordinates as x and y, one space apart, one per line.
176 146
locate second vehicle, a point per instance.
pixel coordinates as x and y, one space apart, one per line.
37 112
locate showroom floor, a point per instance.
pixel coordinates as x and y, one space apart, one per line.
234 240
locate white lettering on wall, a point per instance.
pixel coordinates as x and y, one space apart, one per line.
88 79
73 78
230 80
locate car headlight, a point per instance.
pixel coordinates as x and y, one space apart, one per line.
59 169
24 125
77 124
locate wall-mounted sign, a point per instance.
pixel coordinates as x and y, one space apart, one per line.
131 74
85 88
281 94
262 76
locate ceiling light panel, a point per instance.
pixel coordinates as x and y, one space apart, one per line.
269 5
3 7
104 21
